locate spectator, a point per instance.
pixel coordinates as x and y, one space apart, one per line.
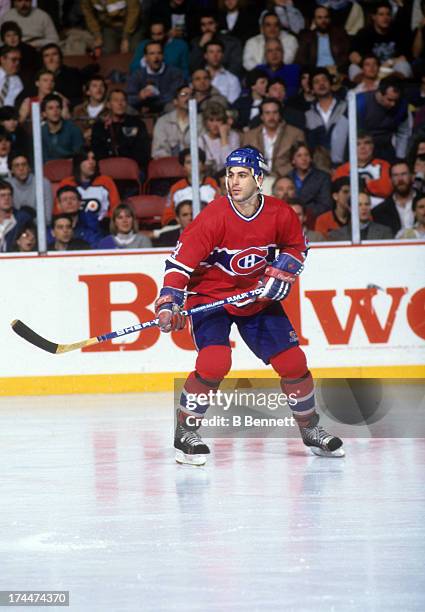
97 191
373 172
114 25
168 236
237 20
61 138
24 190
10 84
326 121
384 115
396 211
248 105
37 27
153 85
223 80
171 131
176 50
304 99
218 139
45 84
85 223
347 14
284 188
313 186
418 23
270 27
63 235
273 137
275 68
11 220
340 213
93 107
68 80
416 232
204 92
231 46
18 136
368 77
11 36
25 239
384 40
327 46
124 231
419 174
5 148
292 115
174 12
369 230
119 134
182 190
290 17
299 210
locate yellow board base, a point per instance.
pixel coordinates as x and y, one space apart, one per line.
138 383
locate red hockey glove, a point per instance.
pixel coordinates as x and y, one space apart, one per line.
168 307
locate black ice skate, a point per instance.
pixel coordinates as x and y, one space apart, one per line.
190 448
320 441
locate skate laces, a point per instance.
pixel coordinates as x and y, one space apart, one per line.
191 437
317 434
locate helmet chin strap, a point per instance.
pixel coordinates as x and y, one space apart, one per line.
256 193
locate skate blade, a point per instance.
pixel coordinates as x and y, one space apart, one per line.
339 452
182 458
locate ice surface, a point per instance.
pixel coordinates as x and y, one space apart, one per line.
93 502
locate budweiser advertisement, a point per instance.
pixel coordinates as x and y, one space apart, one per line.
353 307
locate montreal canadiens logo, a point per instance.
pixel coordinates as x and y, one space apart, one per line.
249 260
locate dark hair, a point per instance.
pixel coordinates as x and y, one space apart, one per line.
13 156
253 76
4 134
5 185
179 90
339 183
26 227
270 101
159 21
294 201
416 199
215 42
399 162
77 160
123 206
369 56
10 26
5 49
390 82
268 14
115 90
95 77
51 98
67 188
362 134
182 203
51 46
61 216
208 13
319 6
316 71
380 4
185 152
296 147
8 112
149 44
42 71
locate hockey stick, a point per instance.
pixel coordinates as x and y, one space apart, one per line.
46 345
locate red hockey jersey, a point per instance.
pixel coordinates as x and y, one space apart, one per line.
222 252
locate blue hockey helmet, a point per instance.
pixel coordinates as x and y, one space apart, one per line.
247 157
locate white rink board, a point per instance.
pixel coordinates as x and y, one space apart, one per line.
48 294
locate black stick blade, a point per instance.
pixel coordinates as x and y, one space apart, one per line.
30 336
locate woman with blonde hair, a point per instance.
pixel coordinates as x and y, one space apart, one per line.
124 231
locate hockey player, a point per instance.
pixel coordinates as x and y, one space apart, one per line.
229 248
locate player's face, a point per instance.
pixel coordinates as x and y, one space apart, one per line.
124 222
241 184
364 208
364 150
420 211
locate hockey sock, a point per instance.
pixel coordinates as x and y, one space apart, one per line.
194 399
301 391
